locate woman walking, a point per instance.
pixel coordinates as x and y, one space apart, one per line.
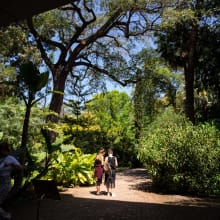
98 165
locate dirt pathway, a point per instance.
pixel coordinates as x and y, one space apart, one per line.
133 200
132 185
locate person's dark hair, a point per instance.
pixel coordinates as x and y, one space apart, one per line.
110 151
4 146
102 150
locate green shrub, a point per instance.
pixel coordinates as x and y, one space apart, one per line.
181 157
72 168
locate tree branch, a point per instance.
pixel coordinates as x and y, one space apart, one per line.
106 72
39 39
39 43
103 30
85 23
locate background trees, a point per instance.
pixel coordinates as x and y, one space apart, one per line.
113 111
155 88
181 42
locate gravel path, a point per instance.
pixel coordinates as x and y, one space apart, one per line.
133 200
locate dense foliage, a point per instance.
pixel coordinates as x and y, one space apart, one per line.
83 131
113 111
181 157
72 168
64 163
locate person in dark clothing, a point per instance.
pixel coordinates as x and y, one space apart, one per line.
98 165
110 176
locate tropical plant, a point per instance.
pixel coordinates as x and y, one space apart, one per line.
30 82
72 168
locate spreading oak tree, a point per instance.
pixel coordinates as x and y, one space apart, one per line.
89 37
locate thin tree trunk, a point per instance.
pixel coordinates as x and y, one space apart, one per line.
138 106
189 71
24 151
189 88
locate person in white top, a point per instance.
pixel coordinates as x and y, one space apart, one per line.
7 164
111 176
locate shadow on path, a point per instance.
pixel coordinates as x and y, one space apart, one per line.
69 208
131 203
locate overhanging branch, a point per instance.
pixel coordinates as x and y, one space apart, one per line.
106 72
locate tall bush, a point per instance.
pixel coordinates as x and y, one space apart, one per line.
181 157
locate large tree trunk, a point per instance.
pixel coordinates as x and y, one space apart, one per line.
59 80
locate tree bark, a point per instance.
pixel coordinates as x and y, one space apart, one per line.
59 80
138 106
189 88
189 71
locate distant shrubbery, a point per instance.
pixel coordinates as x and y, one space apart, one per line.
181 157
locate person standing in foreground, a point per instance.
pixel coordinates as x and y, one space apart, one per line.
7 164
98 165
111 176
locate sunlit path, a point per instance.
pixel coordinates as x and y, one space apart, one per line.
134 185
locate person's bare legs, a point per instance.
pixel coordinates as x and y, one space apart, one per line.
108 191
98 190
113 194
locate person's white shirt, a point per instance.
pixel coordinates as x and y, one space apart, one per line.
6 165
116 161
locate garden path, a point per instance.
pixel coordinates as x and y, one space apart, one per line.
134 200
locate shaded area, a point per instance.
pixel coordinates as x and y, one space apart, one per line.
206 201
132 202
69 208
140 173
145 182
146 186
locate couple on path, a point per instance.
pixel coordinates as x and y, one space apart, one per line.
108 166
